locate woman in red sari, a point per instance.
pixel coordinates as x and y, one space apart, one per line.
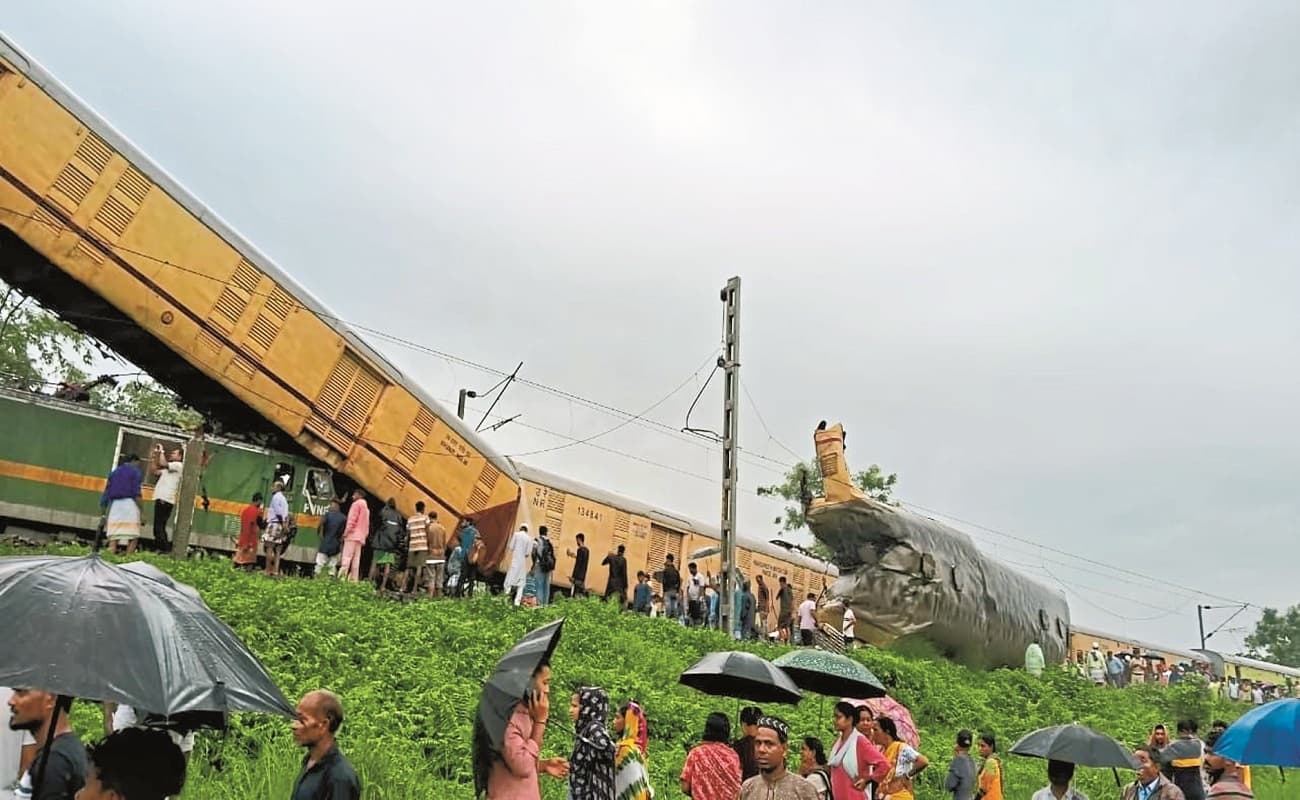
250 533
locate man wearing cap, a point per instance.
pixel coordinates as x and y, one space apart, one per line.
1096 663
773 781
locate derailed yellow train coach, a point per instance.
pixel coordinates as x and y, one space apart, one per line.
95 231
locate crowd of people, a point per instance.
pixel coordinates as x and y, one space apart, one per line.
1122 669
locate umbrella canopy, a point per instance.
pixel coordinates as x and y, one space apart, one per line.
1076 744
83 627
146 570
829 673
503 691
899 713
741 675
1266 735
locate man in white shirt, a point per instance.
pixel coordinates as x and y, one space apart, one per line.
167 468
17 750
808 619
521 546
850 622
695 610
1059 775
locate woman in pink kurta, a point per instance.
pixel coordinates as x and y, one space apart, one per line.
514 771
355 535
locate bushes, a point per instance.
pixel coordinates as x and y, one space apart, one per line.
409 675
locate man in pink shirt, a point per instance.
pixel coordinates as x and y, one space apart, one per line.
355 534
514 771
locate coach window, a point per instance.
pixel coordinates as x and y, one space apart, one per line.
1060 628
1042 618
142 445
956 581
318 488
284 473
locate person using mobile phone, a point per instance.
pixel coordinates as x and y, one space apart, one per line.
514 772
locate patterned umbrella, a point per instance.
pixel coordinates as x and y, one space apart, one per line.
829 673
889 707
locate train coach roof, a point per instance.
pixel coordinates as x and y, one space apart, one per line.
1255 663
665 518
40 76
1147 647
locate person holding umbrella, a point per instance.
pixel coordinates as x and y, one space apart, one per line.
1059 775
514 772
63 765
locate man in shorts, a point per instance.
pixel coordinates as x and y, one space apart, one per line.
417 548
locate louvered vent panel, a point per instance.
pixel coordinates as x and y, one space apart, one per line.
262 334
478 499
424 422
746 561
395 480
94 152
71 187
622 522
114 215
240 368
330 434
46 221
555 503
336 386
487 477
134 185
228 309
82 247
658 547
359 402
278 304
209 345
410 449
830 463
246 276
674 546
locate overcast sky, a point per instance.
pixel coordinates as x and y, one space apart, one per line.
1040 260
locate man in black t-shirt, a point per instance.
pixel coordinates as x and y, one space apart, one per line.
616 583
672 586
135 764
325 772
578 579
65 765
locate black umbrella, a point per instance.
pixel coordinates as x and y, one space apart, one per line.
504 690
82 627
741 675
1076 744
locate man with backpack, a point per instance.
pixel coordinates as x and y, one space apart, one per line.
543 565
471 545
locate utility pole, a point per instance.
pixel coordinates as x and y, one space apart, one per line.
1200 620
730 363
189 490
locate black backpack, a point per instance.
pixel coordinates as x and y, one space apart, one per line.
545 558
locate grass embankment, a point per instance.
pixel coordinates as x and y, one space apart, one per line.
409 676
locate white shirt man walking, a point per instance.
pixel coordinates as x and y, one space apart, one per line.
521 547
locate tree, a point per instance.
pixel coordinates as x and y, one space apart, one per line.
1277 637
804 481
38 350
36 347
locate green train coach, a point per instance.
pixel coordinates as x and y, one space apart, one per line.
55 457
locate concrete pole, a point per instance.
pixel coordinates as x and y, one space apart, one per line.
189 490
730 363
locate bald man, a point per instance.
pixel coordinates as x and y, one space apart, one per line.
325 772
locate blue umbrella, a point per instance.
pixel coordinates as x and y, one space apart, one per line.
1267 735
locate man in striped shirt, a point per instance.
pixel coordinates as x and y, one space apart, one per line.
417 548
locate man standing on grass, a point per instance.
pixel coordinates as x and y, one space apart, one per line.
326 774
785 608
774 782
581 556
616 583
807 620
672 586
695 608
543 565
354 535
439 550
469 568
417 548
332 526
167 469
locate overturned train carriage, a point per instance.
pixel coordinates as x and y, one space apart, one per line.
98 233
906 575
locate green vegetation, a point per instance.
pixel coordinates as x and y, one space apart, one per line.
1277 636
804 481
409 675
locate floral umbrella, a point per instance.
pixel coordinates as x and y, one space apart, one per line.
889 707
829 673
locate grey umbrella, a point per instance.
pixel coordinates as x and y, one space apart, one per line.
83 627
503 691
1076 744
741 675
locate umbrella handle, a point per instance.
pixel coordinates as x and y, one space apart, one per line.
1115 772
62 704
